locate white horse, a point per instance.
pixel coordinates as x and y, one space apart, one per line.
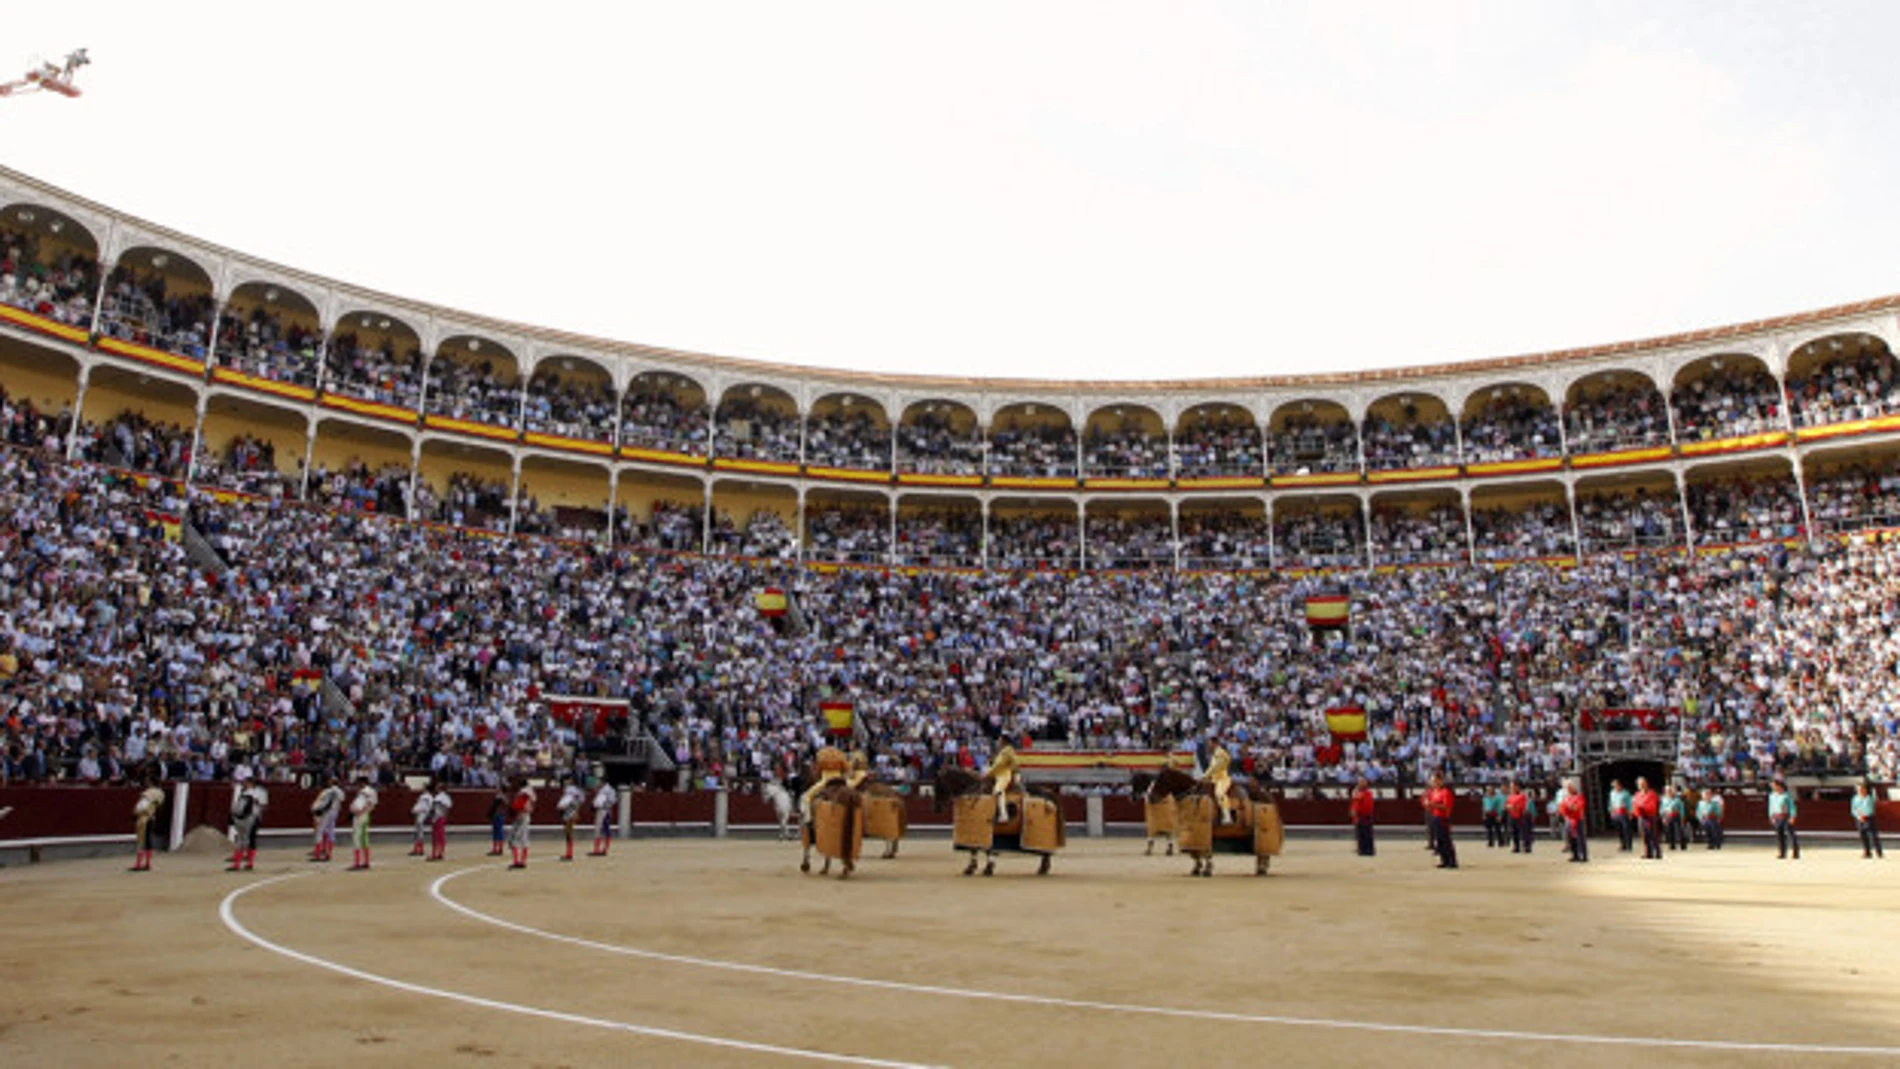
784 805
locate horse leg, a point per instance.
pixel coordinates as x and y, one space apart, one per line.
849 868
1260 866
989 863
804 865
970 869
1208 870
1197 866
826 871
890 848
1043 869
1150 852
1170 847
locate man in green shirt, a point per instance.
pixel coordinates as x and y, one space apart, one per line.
1781 812
1620 799
1675 831
1708 812
1493 811
1866 823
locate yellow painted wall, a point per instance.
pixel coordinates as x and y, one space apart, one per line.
47 379
283 430
438 464
638 492
1127 510
1196 511
337 448
564 484
110 395
740 502
1414 504
1518 497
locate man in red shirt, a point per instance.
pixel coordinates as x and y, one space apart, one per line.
1647 808
1438 804
1517 810
1575 837
522 809
1362 816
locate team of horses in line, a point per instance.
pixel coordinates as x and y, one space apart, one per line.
1199 817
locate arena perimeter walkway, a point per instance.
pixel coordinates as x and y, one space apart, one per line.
691 952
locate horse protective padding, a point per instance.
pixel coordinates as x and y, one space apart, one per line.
1197 833
1043 832
1161 816
884 818
1269 834
837 829
975 827
1194 824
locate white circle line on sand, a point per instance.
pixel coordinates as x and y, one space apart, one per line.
1137 1009
227 911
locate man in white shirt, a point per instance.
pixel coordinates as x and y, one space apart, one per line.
323 814
606 801
572 798
362 807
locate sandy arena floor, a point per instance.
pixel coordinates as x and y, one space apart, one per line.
693 952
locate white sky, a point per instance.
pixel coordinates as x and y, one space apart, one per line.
1090 190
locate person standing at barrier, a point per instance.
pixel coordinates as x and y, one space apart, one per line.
497 820
1675 829
145 823
572 798
1781 814
1866 822
522 809
1576 836
1439 802
362 808
1558 827
1362 803
323 813
1620 816
1523 820
1709 810
440 802
1647 809
247 816
1492 809
606 800
419 813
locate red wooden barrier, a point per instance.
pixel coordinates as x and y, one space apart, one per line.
62 811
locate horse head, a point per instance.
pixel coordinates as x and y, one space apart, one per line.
1171 783
949 783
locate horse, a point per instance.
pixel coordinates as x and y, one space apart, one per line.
1256 829
1034 827
784 806
835 827
1157 791
884 815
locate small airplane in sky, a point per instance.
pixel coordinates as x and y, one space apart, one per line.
50 77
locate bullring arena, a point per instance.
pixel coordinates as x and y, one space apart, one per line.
689 951
268 527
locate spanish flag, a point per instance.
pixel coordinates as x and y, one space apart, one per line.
1327 610
1346 722
770 601
173 526
838 716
